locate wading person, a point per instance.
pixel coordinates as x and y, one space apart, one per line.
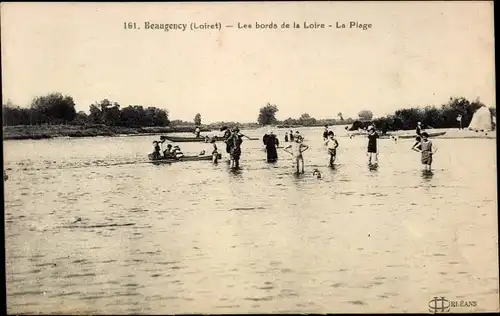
235 141
417 146
215 152
372 146
418 130
325 133
291 135
286 137
297 148
197 131
332 144
427 151
156 150
271 143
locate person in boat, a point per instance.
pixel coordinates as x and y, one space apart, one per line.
167 153
197 131
325 133
427 151
177 153
234 143
297 148
372 146
332 144
156 150
271 143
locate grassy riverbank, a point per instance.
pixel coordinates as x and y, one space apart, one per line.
53 131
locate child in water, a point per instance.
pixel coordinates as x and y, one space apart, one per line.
332 145
427 150
372 146
297 149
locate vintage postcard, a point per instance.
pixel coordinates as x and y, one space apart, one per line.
249 157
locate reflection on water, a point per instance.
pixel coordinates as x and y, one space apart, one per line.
94 228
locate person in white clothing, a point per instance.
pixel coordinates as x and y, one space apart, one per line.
297 149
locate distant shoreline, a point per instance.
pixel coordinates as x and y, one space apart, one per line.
35 132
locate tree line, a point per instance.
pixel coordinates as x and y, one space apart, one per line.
56 108
444 116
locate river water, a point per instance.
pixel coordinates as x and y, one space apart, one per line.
91 228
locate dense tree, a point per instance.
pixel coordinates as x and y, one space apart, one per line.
267 114
197 119
53 108
365 115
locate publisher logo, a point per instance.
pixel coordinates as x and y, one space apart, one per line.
439 305
442 305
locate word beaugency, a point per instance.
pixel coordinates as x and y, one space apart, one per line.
165 27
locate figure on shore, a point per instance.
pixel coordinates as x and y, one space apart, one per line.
325 133
297 149
372 147
271 143
234 142
332 145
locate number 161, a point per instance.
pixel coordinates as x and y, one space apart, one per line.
129 25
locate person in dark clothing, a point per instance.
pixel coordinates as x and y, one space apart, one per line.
372 146
286 137
271 144
291 136
325 133
234 142
157 150
264 138
418 130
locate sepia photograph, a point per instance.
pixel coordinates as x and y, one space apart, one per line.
249 157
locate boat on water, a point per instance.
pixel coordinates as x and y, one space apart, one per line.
431 134
180 159
206 139
400 136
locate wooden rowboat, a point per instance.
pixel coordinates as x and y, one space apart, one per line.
184 158
206 139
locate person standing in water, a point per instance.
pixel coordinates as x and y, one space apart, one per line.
325 133
291 135
427 151
372 146
297 149
418 130
271 143
197 131
215 152
286 137
332 145
235 141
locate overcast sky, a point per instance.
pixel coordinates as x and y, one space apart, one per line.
414 54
